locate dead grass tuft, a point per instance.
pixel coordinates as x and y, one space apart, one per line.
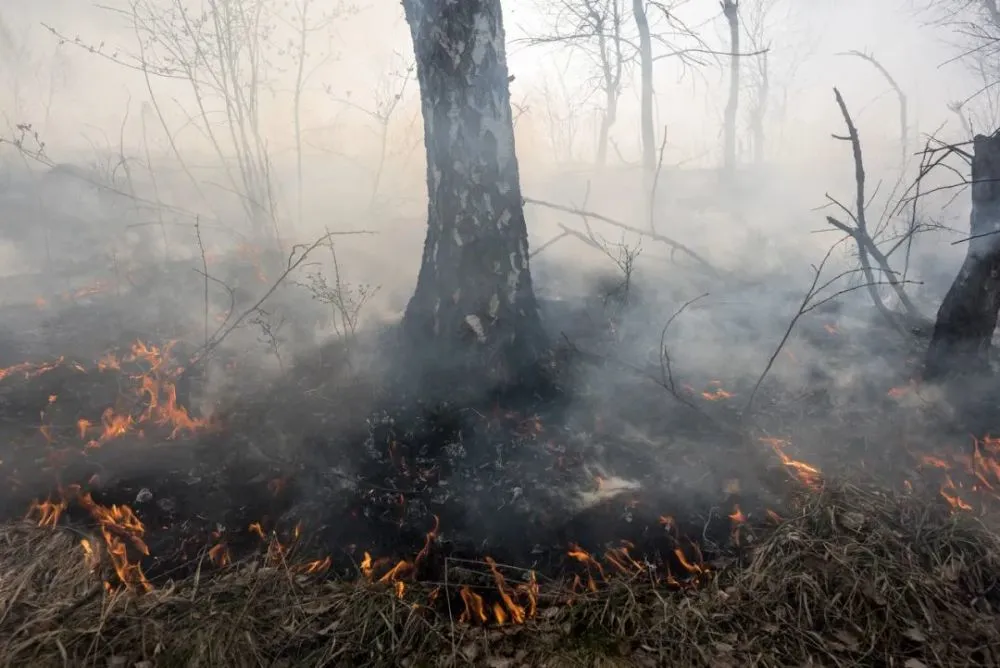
855 578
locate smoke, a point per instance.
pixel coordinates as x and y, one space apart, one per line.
139 188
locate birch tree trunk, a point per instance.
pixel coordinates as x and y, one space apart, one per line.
474 309
963 332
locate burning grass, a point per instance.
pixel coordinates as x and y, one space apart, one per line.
852 576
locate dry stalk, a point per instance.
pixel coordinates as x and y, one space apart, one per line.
853 577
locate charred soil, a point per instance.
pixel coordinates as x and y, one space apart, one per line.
330 515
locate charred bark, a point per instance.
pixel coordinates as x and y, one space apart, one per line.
730 9
646 83
963 332
474 310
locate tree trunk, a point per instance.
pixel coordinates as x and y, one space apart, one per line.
474 310
646 84
963 332
607 120
730 10
760 111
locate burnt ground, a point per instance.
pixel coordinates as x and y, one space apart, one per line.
329 457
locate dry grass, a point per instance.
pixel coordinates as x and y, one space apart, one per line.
856 578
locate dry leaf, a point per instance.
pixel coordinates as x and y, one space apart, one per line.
915 634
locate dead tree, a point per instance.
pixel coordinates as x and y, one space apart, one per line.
904 125
963 331
474 309
730 9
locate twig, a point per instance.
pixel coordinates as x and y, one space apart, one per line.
810 294
656 181
204 268
665 370
550 242
293 264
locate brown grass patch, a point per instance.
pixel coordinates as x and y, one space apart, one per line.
855 578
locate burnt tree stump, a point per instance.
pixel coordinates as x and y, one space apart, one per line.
963 331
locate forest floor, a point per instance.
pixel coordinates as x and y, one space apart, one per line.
316 515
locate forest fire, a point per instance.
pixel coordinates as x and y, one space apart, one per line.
218 451
150 402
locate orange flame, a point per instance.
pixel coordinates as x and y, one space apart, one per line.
694 569
808 475
118 524
48 512
219 554
473 606
401 568
29 369
366 567
517 612
90 556
315 567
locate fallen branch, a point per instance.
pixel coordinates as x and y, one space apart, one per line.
676 245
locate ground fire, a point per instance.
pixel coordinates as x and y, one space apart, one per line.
644 416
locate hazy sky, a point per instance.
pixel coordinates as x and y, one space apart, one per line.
74 89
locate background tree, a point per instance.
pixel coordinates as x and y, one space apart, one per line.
647 129
598 30
662 33
976 25
730 10
474 305
755 16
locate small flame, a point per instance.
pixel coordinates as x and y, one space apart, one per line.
219 554
366 567
119 527
431 535
808 475
315 567
473 606
48 512
581 555
737 515
30 370
90 556
401 569
694 569
516 611
717 395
